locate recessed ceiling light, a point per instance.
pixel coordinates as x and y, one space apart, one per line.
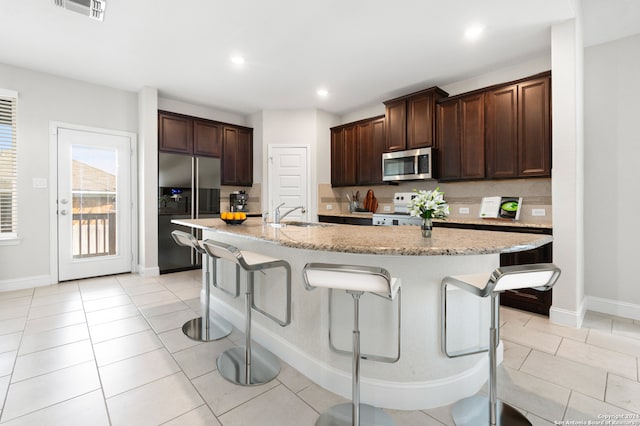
323 93
473 32
237 59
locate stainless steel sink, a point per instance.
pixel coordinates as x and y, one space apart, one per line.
306 224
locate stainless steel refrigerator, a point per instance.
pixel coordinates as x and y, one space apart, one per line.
188 188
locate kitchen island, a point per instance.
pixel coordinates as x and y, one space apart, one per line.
423 377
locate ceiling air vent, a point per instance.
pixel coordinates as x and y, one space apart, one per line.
94 9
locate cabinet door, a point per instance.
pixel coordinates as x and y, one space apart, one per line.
365 153
396 126
472 136
420 121
175 133
337 157
448 140
228 167
534 133
207 138
244 158
501 117
350 155
370 146
378 138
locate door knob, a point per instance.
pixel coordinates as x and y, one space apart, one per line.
64 201
63 212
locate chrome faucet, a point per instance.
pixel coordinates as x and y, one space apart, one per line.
277 217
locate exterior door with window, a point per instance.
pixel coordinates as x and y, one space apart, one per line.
94 204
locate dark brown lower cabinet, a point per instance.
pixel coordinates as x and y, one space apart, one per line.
528 299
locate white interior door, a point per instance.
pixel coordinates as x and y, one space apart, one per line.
289 179
94 204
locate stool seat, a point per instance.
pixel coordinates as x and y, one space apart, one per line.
245 365
477 410
204 328
253 259
356 280
351 278
539 276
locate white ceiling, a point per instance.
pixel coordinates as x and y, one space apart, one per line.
362 51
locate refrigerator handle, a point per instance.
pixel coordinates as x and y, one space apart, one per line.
195 185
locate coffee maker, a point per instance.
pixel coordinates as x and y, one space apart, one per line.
238 201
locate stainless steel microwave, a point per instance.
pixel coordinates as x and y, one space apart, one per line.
413 164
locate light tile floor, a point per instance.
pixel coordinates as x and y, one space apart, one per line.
110 351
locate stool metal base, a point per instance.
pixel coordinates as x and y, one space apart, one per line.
264 366
340 415
196 329
475 411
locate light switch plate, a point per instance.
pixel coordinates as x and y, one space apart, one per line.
538 212
387 208
464 210
329 206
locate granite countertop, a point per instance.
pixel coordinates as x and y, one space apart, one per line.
381 240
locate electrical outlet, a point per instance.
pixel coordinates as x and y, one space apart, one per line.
464 210
538 212
387 208
329 206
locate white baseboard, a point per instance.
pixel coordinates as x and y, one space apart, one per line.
567 317
380 393
613 307
148 272
27 282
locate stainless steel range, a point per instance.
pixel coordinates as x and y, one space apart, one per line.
400 216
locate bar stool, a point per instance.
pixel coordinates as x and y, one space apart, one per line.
355 280
202 329
245 365
477 410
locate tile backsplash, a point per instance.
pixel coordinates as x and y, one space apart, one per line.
535 193
253 201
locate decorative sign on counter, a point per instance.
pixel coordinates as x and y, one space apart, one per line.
501 208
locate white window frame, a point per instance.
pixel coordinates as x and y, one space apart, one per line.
8 238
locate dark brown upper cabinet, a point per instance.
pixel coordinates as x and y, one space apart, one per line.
356 152
501 115
188 135
534 130
344 155
207 138
460 138
370 144
410 120
518 131
175 133
237 156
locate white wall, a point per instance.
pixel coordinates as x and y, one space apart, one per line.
612 150
512 72
148 181
194 110
44 98
568 172
297 127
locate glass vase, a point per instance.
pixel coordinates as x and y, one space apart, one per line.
426 227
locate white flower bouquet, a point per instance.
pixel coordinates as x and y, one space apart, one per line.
429 205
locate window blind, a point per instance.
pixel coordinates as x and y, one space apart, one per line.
8 166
